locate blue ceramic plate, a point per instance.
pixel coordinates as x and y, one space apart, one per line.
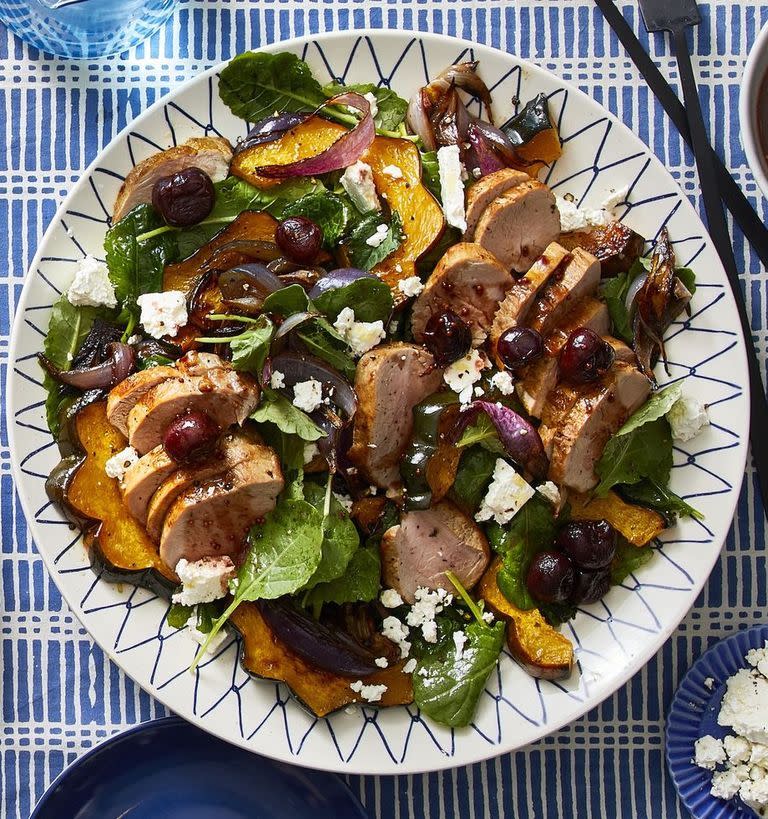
694 714
168 769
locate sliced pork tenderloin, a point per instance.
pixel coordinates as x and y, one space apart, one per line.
485 190
616 245
142 479
123 397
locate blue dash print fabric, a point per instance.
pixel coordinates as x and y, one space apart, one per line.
61 695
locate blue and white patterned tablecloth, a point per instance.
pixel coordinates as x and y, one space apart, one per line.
60 694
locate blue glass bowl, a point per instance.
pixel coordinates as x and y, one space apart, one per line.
693 714
168 769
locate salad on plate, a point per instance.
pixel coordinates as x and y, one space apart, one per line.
362 389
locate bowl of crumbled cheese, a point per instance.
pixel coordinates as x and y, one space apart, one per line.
717 729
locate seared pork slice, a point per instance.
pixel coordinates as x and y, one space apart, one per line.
467 280
616 246
519 224
227 396
209 154
540 377
234 448
485 190
142 479
426 544
580 438
389 382
195 364
122 398
579 278
213 517
621 351
513 310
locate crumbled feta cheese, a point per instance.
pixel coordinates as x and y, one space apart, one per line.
451 186
427 604
738 749
344 500
361 336
459 640
392 171
200 637
277 380
708 752
390 599
478 392
755 794
573 218
163 314
464 373
381 662
503 382
550 491
203 580
616 198
310 451
725 784
745 706
117 465
370 693
709 683
759 755
410 287
686 417
758 658
377 238
396 632
357 181
372 101
308 395
488 617
506 495
410 666
91 286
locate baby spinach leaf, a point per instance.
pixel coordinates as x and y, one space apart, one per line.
289 447
371 299
153 361
483 432
657 406
447 687
660 498
284 415
430 172
360 581
287 301
614 292
321 340
255 84
391 107
628 559
687 277
557 613
251 348
136 256
330 211
472 478
178 615
366 256
340 537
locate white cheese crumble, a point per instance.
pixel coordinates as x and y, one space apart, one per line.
462 375
200 637
361 336
574 218
758 658
277 380
503 382
615 198
410 666
390 599
428 603
488 617
745 706
687 417
373 102
118 465
310 450
203 580
381 662
451 186
377 238
709 752
163 314
738 749
410 287
345 501
507 493
308 395
396 632
370 693
550 491
91 286
459 640
357 181
392 171
709 683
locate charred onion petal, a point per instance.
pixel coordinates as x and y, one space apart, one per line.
499 142
633 290
450 119
344 152
248 285
199 306
292 322
338 278
296 367
256 249
417 119
119 365
481 154
148 347
329 649
93 350
464 75
270 129
518 436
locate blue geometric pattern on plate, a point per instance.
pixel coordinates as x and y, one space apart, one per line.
693 714
612 639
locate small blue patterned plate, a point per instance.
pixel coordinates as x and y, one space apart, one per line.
168 769
693 714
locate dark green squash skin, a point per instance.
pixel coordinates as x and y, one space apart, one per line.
532 119
56 487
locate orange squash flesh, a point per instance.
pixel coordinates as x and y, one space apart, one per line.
423 221
249 225
540 151
539 648
119 538
321 691
311 138
638 524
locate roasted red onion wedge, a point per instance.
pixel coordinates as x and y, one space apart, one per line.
116 368
270 129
